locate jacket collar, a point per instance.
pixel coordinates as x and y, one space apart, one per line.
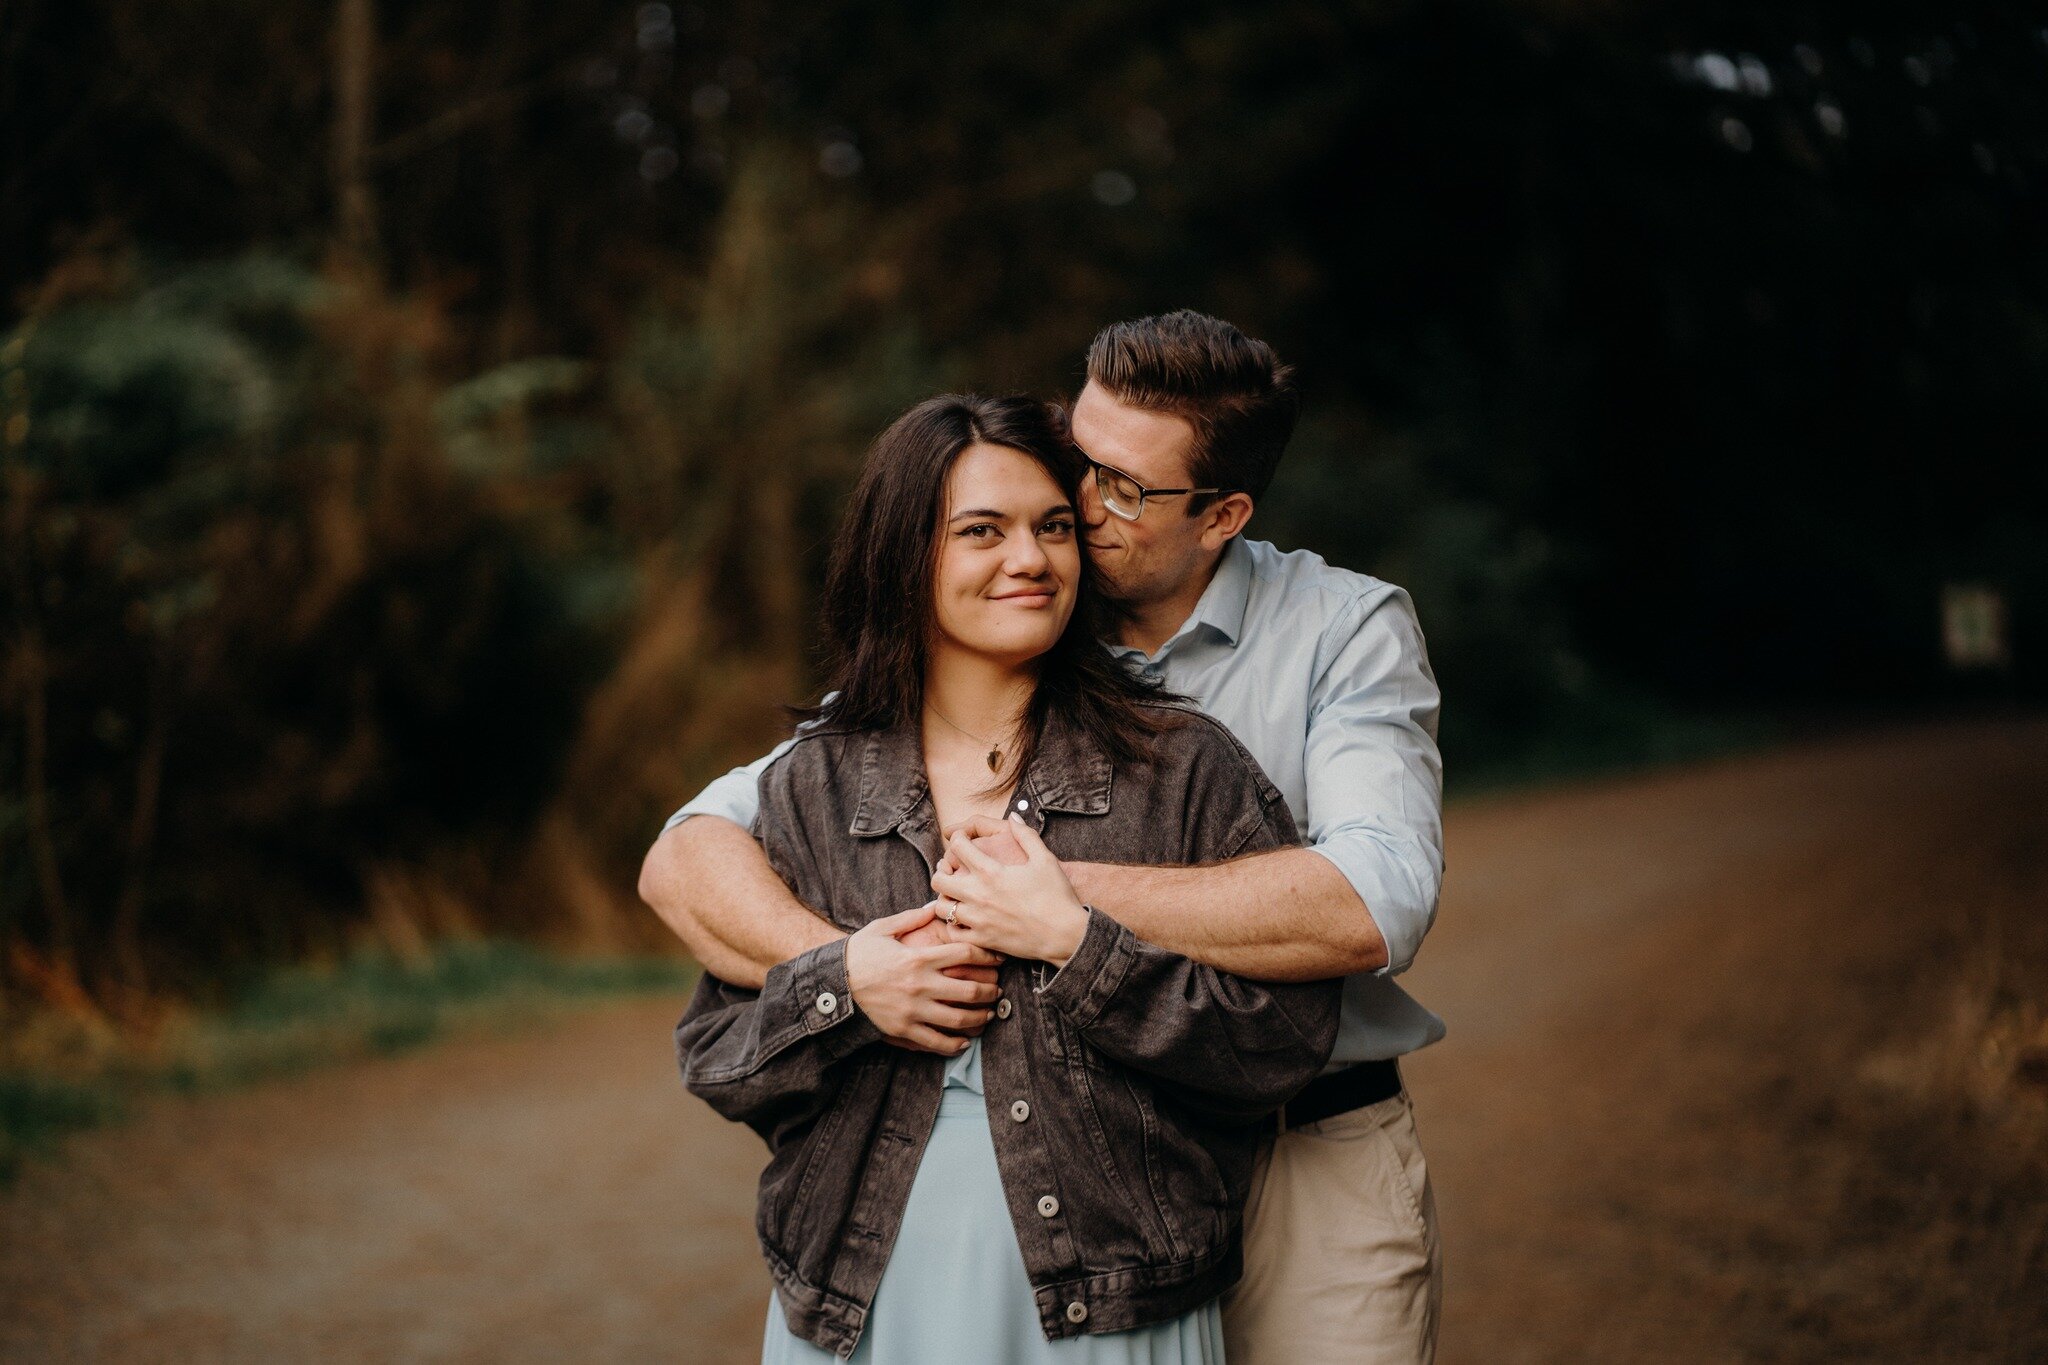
1068 774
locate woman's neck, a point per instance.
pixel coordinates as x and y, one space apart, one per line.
983 696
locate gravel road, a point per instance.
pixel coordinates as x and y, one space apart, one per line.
1651 983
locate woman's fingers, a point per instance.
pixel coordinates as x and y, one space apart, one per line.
923 1039
961 849
957 954
971 993
976 827
946 1016
903 921
1027 839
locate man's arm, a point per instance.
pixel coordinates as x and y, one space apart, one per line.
1287 915
712 885
697 878
1363 894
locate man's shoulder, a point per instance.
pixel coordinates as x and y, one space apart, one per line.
1302 581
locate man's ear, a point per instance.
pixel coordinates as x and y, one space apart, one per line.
1225 518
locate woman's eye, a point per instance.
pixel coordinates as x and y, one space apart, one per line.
975 531
1058 526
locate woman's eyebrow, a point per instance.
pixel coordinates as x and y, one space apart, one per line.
991 514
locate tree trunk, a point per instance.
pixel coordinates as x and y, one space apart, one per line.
355 114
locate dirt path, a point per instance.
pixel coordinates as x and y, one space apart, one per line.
1656 987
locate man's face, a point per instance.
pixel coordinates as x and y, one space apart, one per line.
1152 558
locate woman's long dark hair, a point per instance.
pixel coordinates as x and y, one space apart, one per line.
878 609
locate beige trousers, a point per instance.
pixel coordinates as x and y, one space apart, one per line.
1341 1262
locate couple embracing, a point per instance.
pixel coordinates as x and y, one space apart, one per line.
1054 955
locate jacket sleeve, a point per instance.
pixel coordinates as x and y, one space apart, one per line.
770 1057
1223 1044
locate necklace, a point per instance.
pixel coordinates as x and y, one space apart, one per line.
995 751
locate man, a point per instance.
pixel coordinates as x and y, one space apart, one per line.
1321 674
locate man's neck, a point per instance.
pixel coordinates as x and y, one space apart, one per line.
1148 625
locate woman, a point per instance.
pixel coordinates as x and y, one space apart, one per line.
1070 1185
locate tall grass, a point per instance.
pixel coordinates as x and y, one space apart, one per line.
62 1072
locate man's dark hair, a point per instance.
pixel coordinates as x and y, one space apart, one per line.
1229 387
878 613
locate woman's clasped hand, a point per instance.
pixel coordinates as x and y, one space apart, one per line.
1020 905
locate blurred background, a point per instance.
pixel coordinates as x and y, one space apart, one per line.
420 424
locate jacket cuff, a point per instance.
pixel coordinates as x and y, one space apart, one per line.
1083 987
824 1000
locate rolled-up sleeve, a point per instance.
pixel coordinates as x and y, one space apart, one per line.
735 796
1373 774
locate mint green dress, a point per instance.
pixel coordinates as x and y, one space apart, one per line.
955 1287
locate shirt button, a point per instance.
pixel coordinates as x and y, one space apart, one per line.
1020 1111
827 1002
1077 1311
1047 1206
1003 1008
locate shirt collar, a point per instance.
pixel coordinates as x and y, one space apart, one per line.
1222 604
1068 773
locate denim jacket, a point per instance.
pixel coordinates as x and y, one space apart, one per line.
1144 1076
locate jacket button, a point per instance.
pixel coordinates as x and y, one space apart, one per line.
1023 805
1077 1311
1047 1206
1003 1008
1020 1111
827 1002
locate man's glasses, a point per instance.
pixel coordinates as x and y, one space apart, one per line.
1125 496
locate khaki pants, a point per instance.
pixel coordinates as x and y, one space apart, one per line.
1341 1262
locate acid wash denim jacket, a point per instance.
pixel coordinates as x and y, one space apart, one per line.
1144 1077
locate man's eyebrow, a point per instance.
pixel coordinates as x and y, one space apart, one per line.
991 514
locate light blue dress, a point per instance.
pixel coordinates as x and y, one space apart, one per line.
955 1287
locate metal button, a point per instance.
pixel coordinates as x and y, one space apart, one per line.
1003 1008
1047 1206
1020 1111
827 1002
1077 1311
1023 805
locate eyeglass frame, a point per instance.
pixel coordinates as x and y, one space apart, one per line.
1143 492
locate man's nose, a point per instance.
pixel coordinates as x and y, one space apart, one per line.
1093 513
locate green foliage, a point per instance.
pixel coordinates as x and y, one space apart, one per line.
284 1021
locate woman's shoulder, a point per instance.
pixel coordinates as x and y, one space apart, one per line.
1191 740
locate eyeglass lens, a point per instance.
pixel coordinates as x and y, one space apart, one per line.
1119 494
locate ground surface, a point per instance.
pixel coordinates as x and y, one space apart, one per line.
1700 1102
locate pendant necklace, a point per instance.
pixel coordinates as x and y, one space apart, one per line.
995 752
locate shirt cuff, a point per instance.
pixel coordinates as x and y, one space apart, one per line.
1083 987
1390 894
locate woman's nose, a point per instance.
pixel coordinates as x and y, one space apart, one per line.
1027 558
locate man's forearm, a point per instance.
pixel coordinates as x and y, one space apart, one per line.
1288 915
695 876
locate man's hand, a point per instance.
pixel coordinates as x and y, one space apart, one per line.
911 991
1012 896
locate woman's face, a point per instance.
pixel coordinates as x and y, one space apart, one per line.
1009 563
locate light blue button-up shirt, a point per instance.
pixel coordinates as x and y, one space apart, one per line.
1321 673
